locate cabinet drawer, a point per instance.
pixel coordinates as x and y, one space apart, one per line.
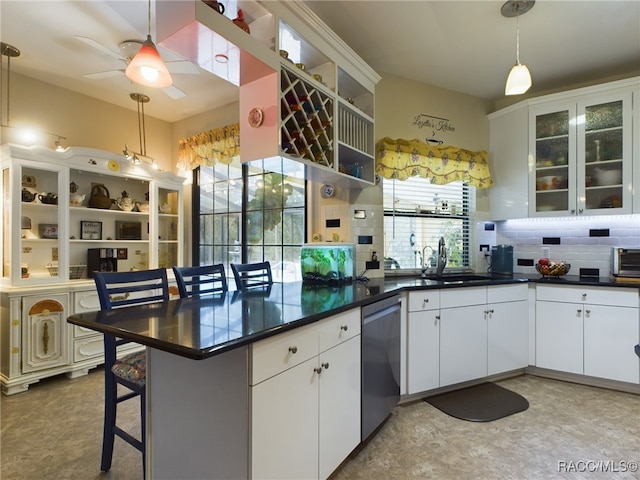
281 352
87 348
615 296
86 301
507 293
458 297
424 300
338 328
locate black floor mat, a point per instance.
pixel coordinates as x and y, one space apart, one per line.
480 403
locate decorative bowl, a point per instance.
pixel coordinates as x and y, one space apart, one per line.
553 269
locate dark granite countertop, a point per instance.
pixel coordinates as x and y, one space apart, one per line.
201 327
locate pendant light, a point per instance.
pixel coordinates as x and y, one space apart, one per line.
519 79
147 68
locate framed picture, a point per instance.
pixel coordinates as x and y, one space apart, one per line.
90 230
48 230
123 254
128 230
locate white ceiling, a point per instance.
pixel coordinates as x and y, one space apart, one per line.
464 46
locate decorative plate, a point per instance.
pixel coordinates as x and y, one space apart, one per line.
113 165
256 117
327 191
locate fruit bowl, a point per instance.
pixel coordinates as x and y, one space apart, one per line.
553 269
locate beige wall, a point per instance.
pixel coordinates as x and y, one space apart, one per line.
85 121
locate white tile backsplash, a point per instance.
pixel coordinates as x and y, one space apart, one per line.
576 246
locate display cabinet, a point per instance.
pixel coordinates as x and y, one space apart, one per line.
304 94
64 215
582 157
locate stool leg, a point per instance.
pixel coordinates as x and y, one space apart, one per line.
110 393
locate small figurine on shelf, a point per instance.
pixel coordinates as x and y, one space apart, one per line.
75 199
143 206
241 22
125 203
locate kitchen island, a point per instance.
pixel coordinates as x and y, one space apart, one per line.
201 369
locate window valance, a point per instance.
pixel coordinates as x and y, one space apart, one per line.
401 159
208 148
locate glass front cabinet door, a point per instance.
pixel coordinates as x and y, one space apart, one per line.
581 156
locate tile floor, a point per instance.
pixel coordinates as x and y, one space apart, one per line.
53 431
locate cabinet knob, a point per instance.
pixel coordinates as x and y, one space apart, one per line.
579 310
318 370
426 300
344 327
573 210
584 296
293 349
587 312
325 365
580 210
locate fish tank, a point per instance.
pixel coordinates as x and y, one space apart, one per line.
327 263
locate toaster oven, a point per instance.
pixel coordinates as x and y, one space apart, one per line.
625 262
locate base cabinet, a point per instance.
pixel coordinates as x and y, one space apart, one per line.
312 405
594 335
462 334
423 342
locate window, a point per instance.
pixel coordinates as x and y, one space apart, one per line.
416 214
271 226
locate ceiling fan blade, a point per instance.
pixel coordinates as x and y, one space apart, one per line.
101 75
182 67
174 92
98 46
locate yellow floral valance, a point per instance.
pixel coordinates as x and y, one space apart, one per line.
400 159
208 148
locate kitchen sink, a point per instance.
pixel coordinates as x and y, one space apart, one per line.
457 278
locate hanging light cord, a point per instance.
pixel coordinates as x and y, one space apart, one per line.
149 19
518 33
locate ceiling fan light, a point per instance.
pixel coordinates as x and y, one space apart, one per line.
518 81
147 68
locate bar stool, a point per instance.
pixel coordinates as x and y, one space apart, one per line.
250 275
121 289
199 280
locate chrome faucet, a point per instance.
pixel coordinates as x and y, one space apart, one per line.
424 263
442 257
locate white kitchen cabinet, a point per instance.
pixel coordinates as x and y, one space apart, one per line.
559 333
44 332
610 334
588 331
582 167
508 160
423 341
461 334
507 328
313 402
580 155
463 344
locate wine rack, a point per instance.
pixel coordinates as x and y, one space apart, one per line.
306 120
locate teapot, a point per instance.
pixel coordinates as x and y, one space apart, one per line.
143 206
100 197
48 198
75 199
28 196
217 6
125 203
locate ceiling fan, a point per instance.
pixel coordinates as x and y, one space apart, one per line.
128 49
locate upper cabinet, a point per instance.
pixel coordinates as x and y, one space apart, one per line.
582 155
66 214
304 94
570 153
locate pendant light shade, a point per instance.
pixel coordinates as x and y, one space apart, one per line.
519 79
146 67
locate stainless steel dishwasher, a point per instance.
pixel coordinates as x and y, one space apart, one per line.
380 362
